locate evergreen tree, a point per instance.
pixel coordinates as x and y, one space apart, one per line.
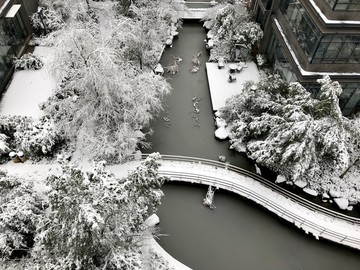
96 221
288 131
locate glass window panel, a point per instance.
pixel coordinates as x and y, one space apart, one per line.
346 50
341 7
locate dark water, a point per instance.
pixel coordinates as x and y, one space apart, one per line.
183 136
238 234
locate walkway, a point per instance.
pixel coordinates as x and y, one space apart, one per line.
311 218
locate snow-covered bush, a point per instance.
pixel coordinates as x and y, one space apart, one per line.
96 221
45 21
28 61
10 123
20 210
8 127
39 138
158 262
4 145
233 30
261 60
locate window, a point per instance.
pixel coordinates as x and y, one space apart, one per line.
307 34
338 49
344 5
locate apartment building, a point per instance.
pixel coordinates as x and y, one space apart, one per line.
306 39
15 32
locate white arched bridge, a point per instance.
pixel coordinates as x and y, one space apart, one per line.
310 217
195 9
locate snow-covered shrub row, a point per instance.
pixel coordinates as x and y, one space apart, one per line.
20 210
97 221
45 20
295 135
28 61
233 32
36 138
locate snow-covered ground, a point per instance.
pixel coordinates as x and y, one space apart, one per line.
28 89
221 89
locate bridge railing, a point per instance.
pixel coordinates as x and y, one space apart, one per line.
274 187
196 5
305 224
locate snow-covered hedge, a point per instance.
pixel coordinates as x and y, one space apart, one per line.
39 138
234 33
45 21
36 138
20 210
28 61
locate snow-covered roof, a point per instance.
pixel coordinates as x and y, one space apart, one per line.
2 8
303 71
12 11
328 21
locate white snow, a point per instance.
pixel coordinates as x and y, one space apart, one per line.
221 89
152 220
310 191
28 89
303 71
220 122
280 179
2 8
334 194
300 184
221 133
342 203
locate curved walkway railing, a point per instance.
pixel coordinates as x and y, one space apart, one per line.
301 222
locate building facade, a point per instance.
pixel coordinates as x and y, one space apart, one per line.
306 39
15 32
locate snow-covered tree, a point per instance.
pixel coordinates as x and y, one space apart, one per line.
96 221
232 29
104 100
20 211
288 131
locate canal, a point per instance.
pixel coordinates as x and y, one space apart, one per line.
177 131
238 234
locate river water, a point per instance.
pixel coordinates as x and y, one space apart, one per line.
238 234
183 134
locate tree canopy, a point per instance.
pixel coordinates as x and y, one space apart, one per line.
232 27
96 220
107 91
287 130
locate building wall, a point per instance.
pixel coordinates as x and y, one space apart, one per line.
305 39
15 33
